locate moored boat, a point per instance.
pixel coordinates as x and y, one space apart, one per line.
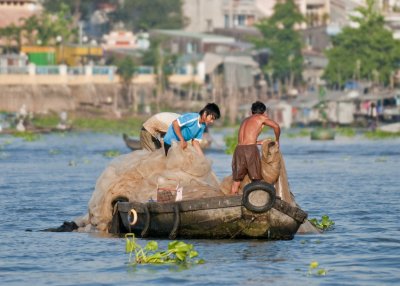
133 144
258 214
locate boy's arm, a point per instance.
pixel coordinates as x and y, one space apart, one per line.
275 126
178 133
197 147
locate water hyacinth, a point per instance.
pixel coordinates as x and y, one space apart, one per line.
324 223
178 252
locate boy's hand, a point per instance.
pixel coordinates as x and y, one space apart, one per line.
183 144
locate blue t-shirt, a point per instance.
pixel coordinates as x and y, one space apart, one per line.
191 128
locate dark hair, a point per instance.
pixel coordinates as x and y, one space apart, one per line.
258 108
211 109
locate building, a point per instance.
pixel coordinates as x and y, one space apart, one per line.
11 11
207 15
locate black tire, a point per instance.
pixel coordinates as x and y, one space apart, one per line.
119 200
256 187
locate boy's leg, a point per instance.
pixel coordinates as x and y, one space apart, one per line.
235 187
166 148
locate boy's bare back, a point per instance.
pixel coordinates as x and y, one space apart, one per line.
251 128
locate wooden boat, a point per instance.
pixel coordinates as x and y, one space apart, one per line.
258 214
133 144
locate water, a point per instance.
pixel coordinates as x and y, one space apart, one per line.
355 181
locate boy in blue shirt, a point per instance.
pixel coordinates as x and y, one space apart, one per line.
190 126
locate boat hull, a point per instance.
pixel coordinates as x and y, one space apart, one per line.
210 218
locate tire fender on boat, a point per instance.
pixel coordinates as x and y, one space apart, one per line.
258 196
132 217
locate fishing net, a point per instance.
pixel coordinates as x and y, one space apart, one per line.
143 176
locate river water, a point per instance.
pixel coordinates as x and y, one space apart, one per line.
353 180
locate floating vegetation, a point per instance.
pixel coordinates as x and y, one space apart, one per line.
346 131
379 134
5 143
4 155
54 151
178 253
324 223
111 153
27 136
313 269
130 126
381 160
231 142
46 121
301 133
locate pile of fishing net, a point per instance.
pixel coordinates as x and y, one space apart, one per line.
143 176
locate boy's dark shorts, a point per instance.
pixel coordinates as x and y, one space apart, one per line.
246 160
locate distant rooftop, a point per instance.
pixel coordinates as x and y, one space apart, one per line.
205 38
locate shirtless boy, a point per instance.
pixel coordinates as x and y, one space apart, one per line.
246 158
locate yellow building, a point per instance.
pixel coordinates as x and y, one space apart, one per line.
71 55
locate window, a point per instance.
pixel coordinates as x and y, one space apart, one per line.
226 21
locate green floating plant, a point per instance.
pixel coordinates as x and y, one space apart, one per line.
324 223
231 141
313 269
111 153
27 136
54 151
178 253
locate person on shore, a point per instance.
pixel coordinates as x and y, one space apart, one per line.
154 129
190 127
246 157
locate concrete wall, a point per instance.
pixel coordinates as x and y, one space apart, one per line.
45 98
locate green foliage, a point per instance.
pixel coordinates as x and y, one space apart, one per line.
324 223
368 52
81 8
178 252
313 269
346 131
130 126
284 42
46 121
11 33
27 136
302 133
151 14
231 142
44 28
126 69
111 153
379 134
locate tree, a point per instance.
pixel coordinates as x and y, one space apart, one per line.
151 14
284 42
368 52
29 29
12 34
126 69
